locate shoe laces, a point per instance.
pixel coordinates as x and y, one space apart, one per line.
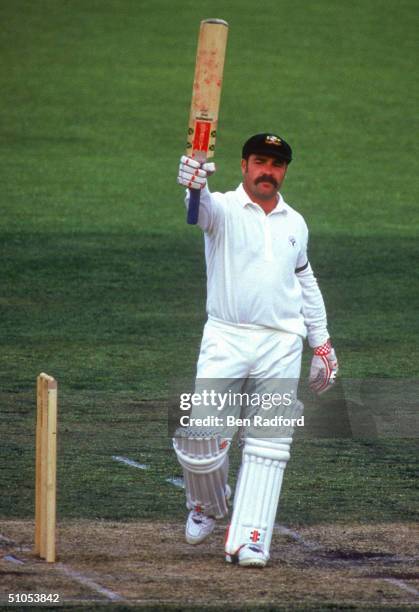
199 517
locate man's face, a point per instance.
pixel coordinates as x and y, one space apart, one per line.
263 175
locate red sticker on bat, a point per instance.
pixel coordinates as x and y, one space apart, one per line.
201 136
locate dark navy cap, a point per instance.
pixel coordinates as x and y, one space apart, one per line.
267 144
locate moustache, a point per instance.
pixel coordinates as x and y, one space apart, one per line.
266 178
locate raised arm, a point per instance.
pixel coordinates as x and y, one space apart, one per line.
193 176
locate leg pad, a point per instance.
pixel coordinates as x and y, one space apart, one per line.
204 460
257 494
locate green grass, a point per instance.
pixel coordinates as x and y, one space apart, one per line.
328 480
103 284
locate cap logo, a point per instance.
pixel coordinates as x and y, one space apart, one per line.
273 140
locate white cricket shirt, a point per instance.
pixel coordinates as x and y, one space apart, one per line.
252 264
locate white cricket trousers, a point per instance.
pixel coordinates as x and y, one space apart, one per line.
244 351
246 365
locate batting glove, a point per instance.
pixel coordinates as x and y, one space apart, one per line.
192 174
324 368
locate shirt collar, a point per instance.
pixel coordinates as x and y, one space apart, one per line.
245 200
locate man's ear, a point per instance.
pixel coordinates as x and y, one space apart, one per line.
244 166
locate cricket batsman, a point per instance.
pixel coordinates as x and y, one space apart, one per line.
263 300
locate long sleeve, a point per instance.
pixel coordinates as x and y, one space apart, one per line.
314 310
209 209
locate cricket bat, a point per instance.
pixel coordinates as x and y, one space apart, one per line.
206 93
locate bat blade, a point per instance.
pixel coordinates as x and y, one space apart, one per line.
206 94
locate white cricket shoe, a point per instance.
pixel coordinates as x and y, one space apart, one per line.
249 555
198 527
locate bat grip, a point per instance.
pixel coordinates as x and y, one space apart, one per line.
193 208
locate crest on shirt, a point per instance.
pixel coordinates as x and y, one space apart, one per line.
292 241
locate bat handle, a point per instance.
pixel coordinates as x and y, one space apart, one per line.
193 208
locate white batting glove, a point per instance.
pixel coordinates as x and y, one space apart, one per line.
192 174
324 368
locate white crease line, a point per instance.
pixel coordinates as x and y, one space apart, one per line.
175 481
111 595
402 585
141 466
6 540
297 537
13 559
312 546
